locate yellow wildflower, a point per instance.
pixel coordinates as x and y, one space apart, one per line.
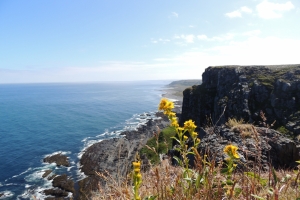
170 105
174 122
162 104
180 129
189 125
137 170
185 137
197 140
172 115
136 165
231 150
194 134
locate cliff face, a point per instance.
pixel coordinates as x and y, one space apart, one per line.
244 91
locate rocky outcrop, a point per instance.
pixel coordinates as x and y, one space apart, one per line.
115 156
59 159
56 192
260 148
244 91
46 173
64 183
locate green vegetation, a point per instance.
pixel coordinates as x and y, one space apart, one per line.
158 145
283 130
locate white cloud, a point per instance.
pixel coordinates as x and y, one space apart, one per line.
234 14
252 33
246 9
187 38
174 14
269 10
238 13
164 41
202 37
227 36
252 51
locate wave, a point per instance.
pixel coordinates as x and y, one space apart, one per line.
6 194
58 152
29 169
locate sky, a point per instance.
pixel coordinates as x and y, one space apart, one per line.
118 40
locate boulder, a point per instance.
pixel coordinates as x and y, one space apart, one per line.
261 148
64 183
47 172
56 192
59 159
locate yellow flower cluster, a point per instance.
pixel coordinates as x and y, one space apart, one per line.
167 106
137 178
231 151
189 125
137 168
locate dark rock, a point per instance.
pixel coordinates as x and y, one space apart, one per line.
59 159
64 183
244 91
115 156
269 147
47 172
56 192
51 177
1 194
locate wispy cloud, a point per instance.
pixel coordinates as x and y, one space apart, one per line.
224 37
246 9
174 15
238 13
187 38
252 33
234 14
269 10
251 51
160 40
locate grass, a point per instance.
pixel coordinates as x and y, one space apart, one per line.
239 126
165 182
207 180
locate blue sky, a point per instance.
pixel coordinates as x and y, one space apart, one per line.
116 40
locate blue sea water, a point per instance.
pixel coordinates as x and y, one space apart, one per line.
37 120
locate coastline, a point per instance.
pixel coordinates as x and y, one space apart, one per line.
31 180
113 157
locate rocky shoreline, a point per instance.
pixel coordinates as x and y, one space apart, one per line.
112 156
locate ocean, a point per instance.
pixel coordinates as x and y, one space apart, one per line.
37 120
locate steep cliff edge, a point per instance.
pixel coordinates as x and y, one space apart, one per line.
244 91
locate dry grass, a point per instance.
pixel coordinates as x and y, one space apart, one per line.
207 179
166 183
239 126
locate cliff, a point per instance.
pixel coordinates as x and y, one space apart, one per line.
249 93
243 92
